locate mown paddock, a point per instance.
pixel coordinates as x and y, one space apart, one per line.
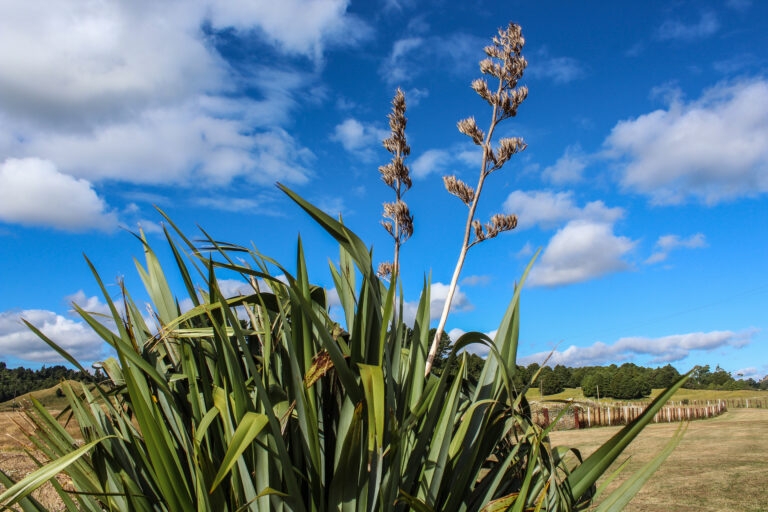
720 465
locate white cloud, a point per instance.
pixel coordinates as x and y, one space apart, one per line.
548 209
412 56
707 25
216 150
568 168
666 349
475 348
233 204
580 251
34 193
90 304
476 280
438 294
87 88
359 138
667 243
301 27
396 69
751 372
414 95
17 340
712 149
560 70
332 295
430 161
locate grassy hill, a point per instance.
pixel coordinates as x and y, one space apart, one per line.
48 397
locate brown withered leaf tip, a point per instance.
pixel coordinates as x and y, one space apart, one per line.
321 365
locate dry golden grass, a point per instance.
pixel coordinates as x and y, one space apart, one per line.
721 463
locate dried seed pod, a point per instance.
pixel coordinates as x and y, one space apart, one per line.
396 174
399 212
502 223
507 148
469 128
479 234
480 86
459 189
385 270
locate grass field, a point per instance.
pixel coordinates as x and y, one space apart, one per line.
682 394
721 463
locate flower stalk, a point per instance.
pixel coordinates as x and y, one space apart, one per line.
505 63
399 223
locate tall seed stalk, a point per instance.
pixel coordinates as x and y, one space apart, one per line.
506 63
397 175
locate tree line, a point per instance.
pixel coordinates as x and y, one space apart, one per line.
625 382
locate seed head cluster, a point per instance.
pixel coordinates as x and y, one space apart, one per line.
396 174
505 63
499 223
460 189
385 269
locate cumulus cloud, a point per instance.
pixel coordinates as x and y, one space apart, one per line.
34 193
359 138
548 209
580 251
438 294
216 150
568 168
430 161
667 243
87 89
666 349
712 149
707 25
17 340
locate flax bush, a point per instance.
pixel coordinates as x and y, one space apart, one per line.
263 402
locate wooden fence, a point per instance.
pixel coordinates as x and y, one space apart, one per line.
588 414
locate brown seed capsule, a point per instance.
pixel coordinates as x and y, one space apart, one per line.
459 189
469 128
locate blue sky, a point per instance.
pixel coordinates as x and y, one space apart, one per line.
645 180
